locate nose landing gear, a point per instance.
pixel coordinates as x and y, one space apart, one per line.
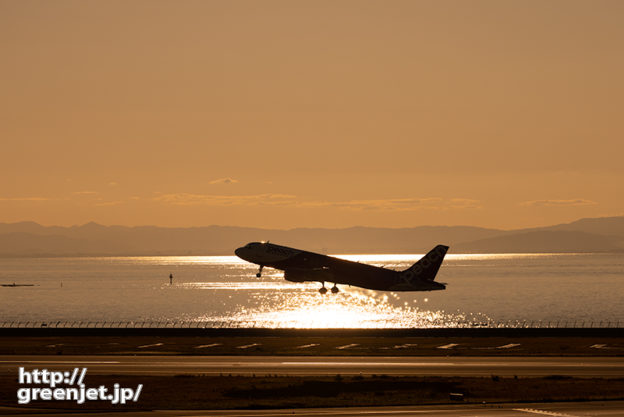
259 274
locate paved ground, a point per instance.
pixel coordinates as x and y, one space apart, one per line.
312 345
322 365
580 409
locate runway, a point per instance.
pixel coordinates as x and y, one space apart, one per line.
612 367
584 409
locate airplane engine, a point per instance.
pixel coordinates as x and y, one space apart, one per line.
301 275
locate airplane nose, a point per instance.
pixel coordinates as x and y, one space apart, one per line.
238 252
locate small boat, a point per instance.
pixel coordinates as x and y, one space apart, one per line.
17 285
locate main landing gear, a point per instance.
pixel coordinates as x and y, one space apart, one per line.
323 290
259 274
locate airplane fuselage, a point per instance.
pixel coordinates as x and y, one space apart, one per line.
301 266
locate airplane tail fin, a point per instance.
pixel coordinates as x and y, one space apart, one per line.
427 267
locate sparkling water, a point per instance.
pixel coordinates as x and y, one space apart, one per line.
569 289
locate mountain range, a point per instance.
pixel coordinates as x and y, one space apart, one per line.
29 239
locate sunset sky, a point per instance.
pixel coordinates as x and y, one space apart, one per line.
284 114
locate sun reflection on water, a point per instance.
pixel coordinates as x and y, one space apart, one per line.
271 302
305 308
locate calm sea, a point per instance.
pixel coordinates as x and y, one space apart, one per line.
224 291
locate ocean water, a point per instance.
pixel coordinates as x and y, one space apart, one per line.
507 289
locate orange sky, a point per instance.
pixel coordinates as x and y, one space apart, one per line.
311 113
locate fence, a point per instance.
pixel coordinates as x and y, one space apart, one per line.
537 324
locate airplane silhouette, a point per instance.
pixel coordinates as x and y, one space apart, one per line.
300 266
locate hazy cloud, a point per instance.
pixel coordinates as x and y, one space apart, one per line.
108 203
186 199
559 203
85 192
398 204
287 200
224 181
464 203
25 199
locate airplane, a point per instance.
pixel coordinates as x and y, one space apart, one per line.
301 266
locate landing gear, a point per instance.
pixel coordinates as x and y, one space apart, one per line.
323 290
259 274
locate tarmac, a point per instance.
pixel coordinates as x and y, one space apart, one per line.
585 367
576 409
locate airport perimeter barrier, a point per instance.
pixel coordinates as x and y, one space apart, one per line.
62 324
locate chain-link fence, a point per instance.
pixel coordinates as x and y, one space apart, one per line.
61 324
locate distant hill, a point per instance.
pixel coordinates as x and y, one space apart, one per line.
545 241
92 239
608 226
28 244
